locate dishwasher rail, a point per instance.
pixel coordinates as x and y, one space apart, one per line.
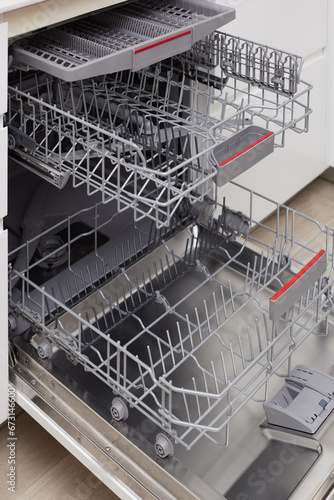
145 332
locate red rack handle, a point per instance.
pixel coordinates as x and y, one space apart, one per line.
142 49
291 292
246 149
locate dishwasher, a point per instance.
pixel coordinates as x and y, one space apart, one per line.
171 337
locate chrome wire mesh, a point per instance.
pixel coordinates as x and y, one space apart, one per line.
146 138
160 363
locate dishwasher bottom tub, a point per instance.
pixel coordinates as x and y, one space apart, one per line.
175 339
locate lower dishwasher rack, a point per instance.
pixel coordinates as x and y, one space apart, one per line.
145 329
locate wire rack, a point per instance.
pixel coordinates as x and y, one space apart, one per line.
261 65
126 37
169 335
148 139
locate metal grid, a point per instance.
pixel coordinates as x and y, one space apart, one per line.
107 33
205 53
260 65
132 136
167 373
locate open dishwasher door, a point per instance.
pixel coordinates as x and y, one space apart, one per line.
141 317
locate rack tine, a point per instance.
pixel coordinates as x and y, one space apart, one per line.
260 272
55 303
168 268
141 374
124 367
223 301
266 327
151 360
95 316
150 279
108 359
111 307
180 337
60 288
119 310
215 307
118 363
198 325
83 280
207 317
231 294
129 249
124 300
233 361
186 405
90 277
131 295
196 397
224 368
185 253
206 388
246 282
258 334
214 377
161 356
170 346
69 289
241 352
253 277
138 290
250 342
104 315
267 266
162 272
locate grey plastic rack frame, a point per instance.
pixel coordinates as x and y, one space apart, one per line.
241 151
128 37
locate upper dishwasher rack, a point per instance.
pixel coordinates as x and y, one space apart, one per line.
132 36
154 138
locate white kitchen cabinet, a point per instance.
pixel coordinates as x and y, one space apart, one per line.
3 234
24 16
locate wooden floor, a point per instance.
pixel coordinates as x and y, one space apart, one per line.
45 470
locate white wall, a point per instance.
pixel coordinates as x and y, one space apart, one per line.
299 27
22 17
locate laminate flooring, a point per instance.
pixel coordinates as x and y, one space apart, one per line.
45 470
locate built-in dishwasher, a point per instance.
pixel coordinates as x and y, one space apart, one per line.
182 345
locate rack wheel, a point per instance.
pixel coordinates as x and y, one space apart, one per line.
163 446
11 141
119 410
44 350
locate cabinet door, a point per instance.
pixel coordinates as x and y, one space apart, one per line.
3 234
24 16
